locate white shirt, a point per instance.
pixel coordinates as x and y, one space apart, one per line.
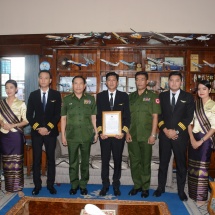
176 96
46 95
114 95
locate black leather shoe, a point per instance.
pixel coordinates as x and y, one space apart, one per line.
52 190
158 192
84 191
134 191
36 191
183 196
145 193
73 191
103 191
116 192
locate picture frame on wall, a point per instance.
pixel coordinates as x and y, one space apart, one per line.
131 85
164 83
65 84
174 63
91 84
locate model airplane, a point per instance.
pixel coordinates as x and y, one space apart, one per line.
82 36
209 64
129 64
203 38
109 63
102 36
66 62
198 65
60 38
88 61
183 39
122 39
175 39
136 35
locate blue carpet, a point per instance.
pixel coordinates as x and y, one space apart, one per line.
175 206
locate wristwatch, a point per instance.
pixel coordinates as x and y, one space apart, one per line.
177 131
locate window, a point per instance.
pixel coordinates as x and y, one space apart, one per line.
13 68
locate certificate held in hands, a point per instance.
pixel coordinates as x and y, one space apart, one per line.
111 123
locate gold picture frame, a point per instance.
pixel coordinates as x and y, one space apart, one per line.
111 123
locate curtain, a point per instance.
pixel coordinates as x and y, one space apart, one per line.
31 74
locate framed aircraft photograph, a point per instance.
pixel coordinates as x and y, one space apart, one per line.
65 84
164 83
174 63
91 84
131 87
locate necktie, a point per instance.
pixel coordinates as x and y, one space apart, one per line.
173 101
44 101
111 101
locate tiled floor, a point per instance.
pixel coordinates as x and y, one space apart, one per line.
190 204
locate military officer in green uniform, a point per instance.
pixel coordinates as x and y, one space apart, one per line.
144 108
78 129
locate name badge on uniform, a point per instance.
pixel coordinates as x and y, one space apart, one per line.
87 101
146 99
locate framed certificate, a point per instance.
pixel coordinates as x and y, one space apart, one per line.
111 123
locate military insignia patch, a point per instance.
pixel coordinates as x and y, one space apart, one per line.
157 101
87 101
146 99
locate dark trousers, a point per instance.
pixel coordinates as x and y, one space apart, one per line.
179 148
50 145
115 146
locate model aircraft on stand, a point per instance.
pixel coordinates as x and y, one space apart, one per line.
109 63
139 36
204 38
60 38
88 61
80 38
131 65
102 37
122 39
209 64
67 62
175 39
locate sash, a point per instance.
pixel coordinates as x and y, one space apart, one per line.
8 114
203 120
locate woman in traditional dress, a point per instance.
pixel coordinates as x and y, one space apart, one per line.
12 119
202 142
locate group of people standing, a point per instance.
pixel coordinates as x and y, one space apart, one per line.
174 112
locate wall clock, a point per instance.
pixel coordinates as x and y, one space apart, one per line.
45 65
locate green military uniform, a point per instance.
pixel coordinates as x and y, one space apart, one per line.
140 152
79 134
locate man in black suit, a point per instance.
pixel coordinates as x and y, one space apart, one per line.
43 114
177 109
112 100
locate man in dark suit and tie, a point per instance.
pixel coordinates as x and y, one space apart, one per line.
43 114
112 100
177 109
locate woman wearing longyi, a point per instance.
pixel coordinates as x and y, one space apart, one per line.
12 119
202 143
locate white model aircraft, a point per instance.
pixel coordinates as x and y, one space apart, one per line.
183 39
203 38
109 63
155 61
88 61
175 39
198 65
82 36
66 62
130 64
169 39
209 64
102 36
